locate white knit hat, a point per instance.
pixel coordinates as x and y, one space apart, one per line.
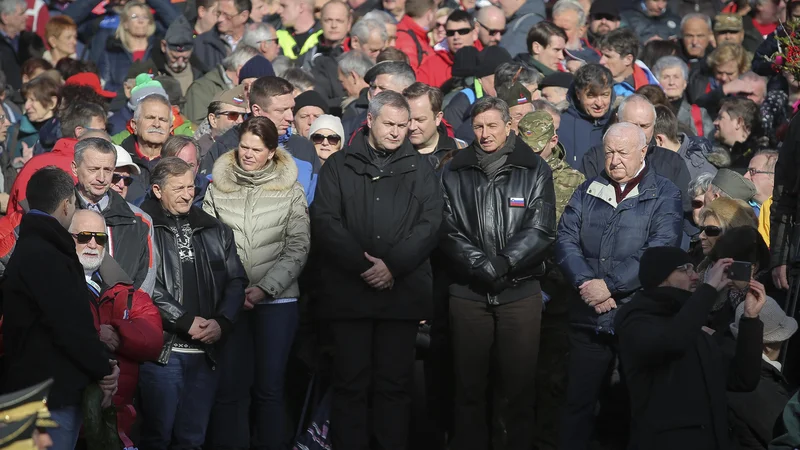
778 327
330 122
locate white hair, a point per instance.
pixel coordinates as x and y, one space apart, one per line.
570 5
634 98
355 61
365 27
10 6
239 57
696 15
626 130
381 16
256 33
668 62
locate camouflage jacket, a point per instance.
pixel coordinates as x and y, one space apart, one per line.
565 179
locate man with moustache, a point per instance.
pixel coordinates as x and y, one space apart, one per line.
152 122
176 58
426 131
603 17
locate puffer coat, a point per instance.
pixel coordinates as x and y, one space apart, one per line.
268 213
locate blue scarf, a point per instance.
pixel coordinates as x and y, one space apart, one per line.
282 140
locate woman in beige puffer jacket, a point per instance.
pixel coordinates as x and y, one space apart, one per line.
255 192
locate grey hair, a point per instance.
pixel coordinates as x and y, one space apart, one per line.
491 103
506 73
544 105
300 79
380 16
622 130
176 143
137 113
634 98
256 33
570 5
99 144
696 15
668 62
772 158
239 57
171 166
281 64
364 27
85 211
387 98
355 61
700 185
10 6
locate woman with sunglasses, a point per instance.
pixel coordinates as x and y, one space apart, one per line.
326 133
720 216
255 192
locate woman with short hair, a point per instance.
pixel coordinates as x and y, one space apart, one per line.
61 37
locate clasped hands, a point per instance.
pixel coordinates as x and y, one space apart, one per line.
378 276
595 293
206 331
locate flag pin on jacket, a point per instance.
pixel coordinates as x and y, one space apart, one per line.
516 202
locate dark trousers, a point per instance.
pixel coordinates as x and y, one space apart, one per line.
591 356
254 367
377 353
176 402
551 372
501 340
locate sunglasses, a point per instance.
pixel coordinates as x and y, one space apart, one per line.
492 31
231 115
85 236
697 204
332 139
460 31
711 230
125 179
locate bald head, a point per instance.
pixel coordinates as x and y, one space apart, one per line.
95 134
638 110
87 220
625 148
490 18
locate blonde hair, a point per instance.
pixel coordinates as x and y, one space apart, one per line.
726 53
125 15
730 213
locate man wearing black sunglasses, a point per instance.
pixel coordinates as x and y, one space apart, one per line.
491 25
603 17
461 32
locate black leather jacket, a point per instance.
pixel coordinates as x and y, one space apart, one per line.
497 229
220 276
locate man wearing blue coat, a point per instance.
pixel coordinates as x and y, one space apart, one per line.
609 222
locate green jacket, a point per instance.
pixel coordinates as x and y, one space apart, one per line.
565 179
268 213
202 92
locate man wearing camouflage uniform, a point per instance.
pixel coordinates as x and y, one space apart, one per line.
538 131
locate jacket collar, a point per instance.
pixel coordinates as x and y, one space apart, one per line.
48 228
197 217
521 156
358 158
229 177
65 146
112 273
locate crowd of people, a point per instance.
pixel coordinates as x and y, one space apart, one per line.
399 224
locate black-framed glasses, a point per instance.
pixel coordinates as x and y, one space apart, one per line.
492 31
333 139
753 172
115 179
231 115
711 230
697 204
460 32
85 236
688 267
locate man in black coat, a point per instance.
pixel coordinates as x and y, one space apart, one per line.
676 371
499 221
48 328
375 216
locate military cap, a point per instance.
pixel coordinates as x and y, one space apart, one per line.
514 95
728 22
18 435
536 129
734 184
234 97
180 36
18 405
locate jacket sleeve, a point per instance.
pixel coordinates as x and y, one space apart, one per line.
174 318
165 13
141 335
232 299
745 369
68 318
528 245
411 251
146 278
708 124
81 10
591 165
469 259
784 197
568 249
761 63
651 347
339 245
294 255
665 230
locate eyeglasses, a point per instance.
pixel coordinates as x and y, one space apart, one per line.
753 172
85 236
332 139
231 115
711 230
697 204
229 16
460 32
688 267
492 31
115 179
138 16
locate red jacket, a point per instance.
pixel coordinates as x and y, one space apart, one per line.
61 156
138 323
405 42
36 17
436 69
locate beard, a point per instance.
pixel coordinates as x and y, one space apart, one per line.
91 259
178 66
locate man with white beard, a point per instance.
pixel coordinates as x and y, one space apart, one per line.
129 323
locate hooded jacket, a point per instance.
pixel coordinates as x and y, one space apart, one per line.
677 374
62 156
578 131
642 76
529 14
268 213
599 238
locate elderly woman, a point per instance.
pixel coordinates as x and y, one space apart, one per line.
255 192
720 216
133 42
327 134
61 36
673 74
41 99
725 64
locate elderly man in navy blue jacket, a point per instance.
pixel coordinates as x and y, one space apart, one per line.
609 222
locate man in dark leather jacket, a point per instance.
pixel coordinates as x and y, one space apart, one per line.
499 222
199 292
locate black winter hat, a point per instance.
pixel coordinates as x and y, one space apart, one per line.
557 79
465 61
489 59
658 262
309 98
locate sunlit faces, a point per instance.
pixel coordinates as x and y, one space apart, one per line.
673 82
424 123
177 194
388 129
305 117
94 173
491 131
595 103
551 55
153 124
253 154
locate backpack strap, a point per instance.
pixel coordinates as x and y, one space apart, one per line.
470 94
697 117
420 52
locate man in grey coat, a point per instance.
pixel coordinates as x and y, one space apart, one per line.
521 15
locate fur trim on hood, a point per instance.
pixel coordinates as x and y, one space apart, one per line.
279 175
